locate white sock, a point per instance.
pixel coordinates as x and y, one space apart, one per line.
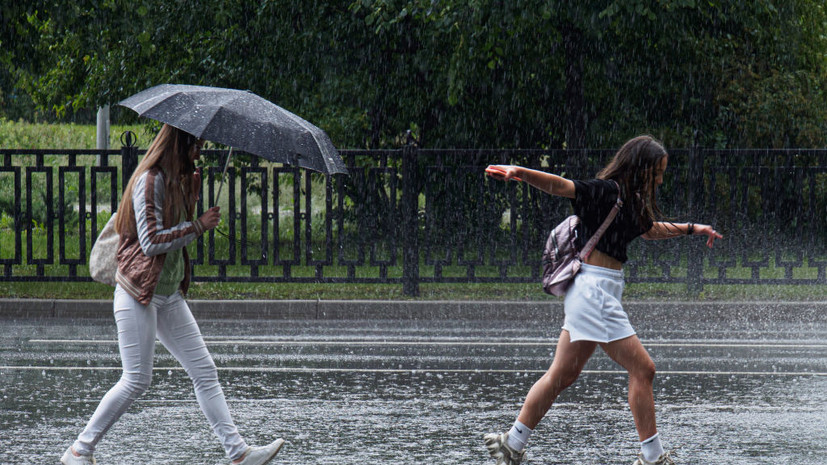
518 436
651 448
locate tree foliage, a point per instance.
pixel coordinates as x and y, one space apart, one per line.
472 73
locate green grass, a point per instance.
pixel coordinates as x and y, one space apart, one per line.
23 135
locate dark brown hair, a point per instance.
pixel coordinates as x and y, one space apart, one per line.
633 168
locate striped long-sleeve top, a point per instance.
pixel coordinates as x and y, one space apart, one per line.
141 257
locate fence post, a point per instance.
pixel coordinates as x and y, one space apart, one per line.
129 156
695 259
410 221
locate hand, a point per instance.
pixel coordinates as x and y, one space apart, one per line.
502 172
210 218
707 230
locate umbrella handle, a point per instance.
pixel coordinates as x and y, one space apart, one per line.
226 164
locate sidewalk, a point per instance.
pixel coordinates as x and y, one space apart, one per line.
804 311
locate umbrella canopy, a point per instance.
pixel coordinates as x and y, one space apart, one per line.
240 119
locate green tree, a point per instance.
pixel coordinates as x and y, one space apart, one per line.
472 73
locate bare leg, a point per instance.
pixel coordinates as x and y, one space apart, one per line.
569 360
631 355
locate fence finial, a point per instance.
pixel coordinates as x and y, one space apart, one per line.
129 139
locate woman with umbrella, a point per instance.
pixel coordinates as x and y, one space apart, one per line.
155 224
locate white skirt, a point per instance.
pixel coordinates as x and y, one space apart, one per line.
593 308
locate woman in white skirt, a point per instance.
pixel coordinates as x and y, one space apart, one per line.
594 313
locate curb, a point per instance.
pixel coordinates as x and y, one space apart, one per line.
292 309
813 312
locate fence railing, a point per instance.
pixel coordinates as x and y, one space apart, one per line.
412 216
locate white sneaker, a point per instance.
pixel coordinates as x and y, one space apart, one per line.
664 459
498 448
69 458
263 454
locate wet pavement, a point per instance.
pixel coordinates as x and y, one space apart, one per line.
737 384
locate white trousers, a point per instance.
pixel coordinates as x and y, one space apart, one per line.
170 318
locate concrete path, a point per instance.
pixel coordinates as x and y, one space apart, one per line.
420 382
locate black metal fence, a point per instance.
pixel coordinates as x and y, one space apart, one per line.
412 216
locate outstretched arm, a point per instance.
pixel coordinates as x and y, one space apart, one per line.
546 182
667 230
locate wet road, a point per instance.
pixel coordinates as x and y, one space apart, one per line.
731 389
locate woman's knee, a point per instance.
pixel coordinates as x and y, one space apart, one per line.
136 383
204 372
645 371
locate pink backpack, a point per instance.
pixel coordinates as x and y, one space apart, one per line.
561 259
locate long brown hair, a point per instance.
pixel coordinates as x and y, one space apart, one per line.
633 168
170 152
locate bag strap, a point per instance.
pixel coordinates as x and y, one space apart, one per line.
587 249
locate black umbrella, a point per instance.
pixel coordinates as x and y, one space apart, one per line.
240 119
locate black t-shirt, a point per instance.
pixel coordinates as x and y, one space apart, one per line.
592 202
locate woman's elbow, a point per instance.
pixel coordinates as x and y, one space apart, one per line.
149 249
